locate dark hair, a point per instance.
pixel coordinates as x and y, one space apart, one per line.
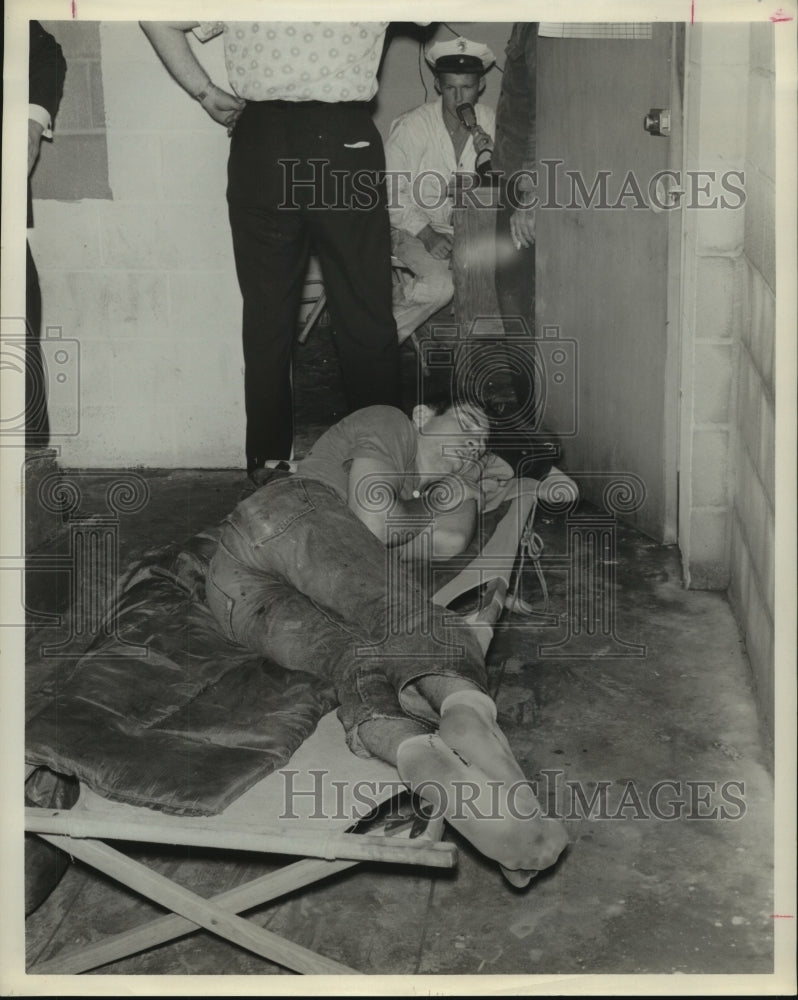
441 395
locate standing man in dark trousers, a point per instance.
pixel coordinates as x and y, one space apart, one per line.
305 169
514 156
46 74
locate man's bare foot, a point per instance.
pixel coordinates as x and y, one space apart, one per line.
484 809
468 725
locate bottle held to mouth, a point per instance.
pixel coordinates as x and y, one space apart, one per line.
484 166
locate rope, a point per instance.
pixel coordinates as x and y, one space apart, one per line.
531 548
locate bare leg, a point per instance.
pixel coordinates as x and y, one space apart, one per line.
383 737
468 771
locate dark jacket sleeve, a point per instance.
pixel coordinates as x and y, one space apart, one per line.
46 69
516 113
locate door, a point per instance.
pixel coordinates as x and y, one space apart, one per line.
607 263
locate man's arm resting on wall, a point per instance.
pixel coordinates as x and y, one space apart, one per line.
169 40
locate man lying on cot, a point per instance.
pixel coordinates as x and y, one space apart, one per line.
315 570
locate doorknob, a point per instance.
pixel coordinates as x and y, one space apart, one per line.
658 121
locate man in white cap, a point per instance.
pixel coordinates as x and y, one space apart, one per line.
425 150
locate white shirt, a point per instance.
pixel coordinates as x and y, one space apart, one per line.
42 116
419 144
300 60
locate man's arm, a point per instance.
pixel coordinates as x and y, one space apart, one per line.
46 74
169 40
403 149
399 523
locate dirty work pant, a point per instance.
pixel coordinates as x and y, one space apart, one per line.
300 176
298 578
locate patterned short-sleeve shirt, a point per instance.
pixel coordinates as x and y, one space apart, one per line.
300 60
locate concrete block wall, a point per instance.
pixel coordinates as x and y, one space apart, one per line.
727 480
134 251
752 552
144 280
715 141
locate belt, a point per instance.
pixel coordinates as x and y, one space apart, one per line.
280 105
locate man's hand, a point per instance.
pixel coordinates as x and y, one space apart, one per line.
437 245
482 141
522 227
169 40
35 130
224 108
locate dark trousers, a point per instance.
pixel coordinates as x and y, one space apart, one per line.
37 423
301 176
515 293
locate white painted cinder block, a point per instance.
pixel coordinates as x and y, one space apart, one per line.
722 126
194 166
134 166
124 41
710 468
101 306
716 292
167 237
761 122
205 308
749 402
139 92
724 44
141 96
66 235
766 451
713 381
769 234
709 540
762 46
760 322
719 230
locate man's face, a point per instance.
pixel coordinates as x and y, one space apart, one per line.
458 437
457 88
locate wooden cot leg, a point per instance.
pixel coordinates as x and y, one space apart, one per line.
243 897
164 929
204 912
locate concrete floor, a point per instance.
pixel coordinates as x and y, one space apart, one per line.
634 893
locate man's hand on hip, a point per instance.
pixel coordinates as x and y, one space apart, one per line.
224 108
